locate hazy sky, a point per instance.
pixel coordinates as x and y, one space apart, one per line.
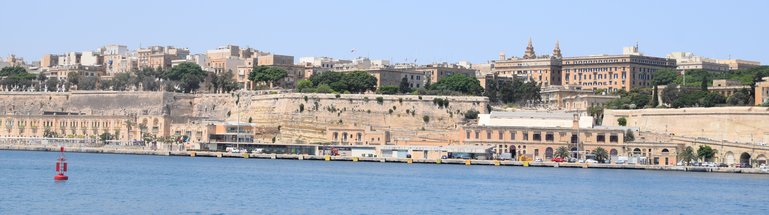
430 31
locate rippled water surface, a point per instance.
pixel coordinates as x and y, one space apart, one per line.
120 184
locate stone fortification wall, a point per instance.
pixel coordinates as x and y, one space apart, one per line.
741 124
86 102
281 115
276 115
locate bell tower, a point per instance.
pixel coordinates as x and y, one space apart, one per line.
557 50
529 54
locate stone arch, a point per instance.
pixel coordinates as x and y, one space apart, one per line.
636 151
729 158
665 150
549 153
744 158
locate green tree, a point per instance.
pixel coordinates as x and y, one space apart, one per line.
73 78
185 77
562 152
687 155
404 85
88 83
303 85
706 153
739 98
267 75
601 154
356 82
223 82
622 121
105 136
459 83
664 77
120 82
629 136
360 82
471 114
12 71
324 88
52 84
597 113
388 90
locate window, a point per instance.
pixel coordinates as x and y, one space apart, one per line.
488 135
613 138
468 135
512 135
574 138
549 137
537 137
501 135
477 134
525 135
600 138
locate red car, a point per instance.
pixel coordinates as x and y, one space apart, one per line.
559 160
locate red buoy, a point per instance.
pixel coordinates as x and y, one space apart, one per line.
61 167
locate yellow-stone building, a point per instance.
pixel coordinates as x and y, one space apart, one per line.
122 128
614 72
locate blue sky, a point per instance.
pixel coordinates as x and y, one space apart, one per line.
430 31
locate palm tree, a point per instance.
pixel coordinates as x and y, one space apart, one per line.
687 155
562 152
601 154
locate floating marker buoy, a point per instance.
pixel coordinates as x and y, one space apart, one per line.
61 167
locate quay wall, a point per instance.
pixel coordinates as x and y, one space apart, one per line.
385 160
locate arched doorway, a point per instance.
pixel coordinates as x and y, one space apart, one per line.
512 152
549 153
613 152
760 159
745 158
729 158
636 152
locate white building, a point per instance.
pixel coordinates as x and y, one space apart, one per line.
90 58
535 119
689 61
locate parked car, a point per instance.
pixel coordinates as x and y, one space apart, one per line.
723 165
559 160
591 161
620 162
745 165
538 160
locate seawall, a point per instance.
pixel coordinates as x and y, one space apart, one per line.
384 160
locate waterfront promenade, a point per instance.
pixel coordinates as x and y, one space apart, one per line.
467 162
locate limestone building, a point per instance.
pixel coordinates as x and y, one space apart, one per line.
434 72
736 64
537 135
689 61
614 72
545 70
159 57
762 92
